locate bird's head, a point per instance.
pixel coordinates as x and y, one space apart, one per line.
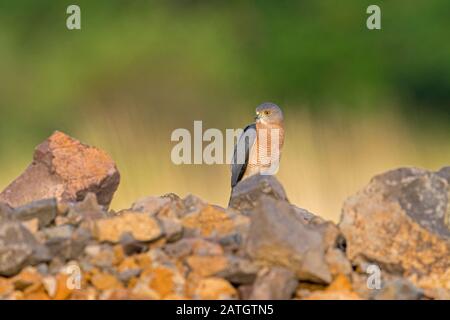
269 113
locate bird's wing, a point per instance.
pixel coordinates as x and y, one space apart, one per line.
241 153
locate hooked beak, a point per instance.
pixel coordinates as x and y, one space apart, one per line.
258 116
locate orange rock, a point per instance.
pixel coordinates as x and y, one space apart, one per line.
143 260
87 276
401 219
103 258
32 225
105 281
339 289
333 295
141 291
65 169
163 281
209 221
340 283
16 295
88 293
132 282
37 293
207 266
128 263
157 243
214 289
6 287
205 247
26 278
175 297
116 294
63 289
140 225
119 255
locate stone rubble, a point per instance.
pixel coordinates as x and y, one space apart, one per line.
60 240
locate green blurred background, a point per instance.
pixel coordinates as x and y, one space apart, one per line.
357 102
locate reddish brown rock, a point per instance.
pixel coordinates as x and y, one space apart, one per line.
65 169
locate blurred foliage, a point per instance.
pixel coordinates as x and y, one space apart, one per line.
152 66
315 53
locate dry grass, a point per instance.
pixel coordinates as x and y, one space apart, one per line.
324 161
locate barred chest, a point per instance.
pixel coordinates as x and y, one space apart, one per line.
269 143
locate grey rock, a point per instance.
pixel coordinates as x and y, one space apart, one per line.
276 283
172 228
172 196
101 256
166 211
85 210
277 237
245 291
63 231
246 194
150 204
422 194
44 210
240 270
191 204
65 244
127 275
42 268
305 215
179 249
18 248
399 221
445 173
132 246
397 289
188 246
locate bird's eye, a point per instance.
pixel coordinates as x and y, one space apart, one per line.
266 113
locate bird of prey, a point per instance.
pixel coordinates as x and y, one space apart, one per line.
258 148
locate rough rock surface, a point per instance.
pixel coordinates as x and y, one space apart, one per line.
59 240
247 193
278 237
65 169
140 226
399 221
276 283
18 247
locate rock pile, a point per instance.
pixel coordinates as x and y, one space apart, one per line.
59 240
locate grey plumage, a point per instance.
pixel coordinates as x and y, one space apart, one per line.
241 152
